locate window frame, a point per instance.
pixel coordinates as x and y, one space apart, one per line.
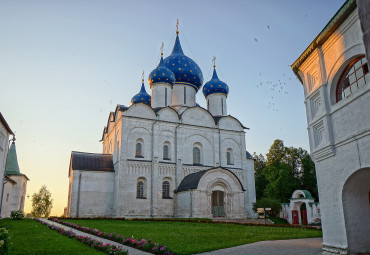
340 90
140 190
166 156
196 156
139 151
166 188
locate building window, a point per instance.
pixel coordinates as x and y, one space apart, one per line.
229 157
166 152
165 96
352 78
139 153
184 95
166 189
140 190
222 106
208 104
7 197
196 156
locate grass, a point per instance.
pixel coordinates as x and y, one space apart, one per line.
192 237
30 237
279 221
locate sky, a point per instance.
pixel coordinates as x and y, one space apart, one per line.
64 65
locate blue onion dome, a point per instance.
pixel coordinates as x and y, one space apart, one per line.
185 69
161 75
215 85
142 96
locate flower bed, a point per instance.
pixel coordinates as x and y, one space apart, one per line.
107 248
144 244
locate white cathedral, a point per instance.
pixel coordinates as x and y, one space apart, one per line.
165 156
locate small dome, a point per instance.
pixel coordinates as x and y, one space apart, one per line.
185 69
161 75
142 96
215 85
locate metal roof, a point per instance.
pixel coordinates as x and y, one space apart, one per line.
191 181
91 161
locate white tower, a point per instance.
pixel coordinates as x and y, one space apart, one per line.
216 92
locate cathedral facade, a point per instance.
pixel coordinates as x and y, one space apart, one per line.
165 156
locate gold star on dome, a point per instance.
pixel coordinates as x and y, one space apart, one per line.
219 85
163 75
185 65
191 71
179 68
211 86
155 74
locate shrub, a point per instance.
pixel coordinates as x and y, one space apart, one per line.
265 202
17 215
4 241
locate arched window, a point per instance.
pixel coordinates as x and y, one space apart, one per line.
352 78
229 157
166 155
138 153
166 189
196 156
140 189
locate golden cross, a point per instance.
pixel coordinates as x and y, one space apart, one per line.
142 76
177 26
162 48
214 61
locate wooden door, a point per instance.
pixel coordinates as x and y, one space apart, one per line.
295 218
304 217
218 204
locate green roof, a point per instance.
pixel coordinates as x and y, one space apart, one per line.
12 167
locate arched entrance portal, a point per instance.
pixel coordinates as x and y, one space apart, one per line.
356 208
218 209
303 214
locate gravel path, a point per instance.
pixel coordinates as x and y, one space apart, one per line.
307 246
131 251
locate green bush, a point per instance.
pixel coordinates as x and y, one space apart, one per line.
266 202
17 215
4 241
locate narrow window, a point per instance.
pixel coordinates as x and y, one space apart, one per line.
138 150
185 95
140 190
166 189
222 106
196 156
229 157
208 104
117 151
165 152
165 96
7 197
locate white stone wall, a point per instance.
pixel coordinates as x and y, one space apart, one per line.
159 95
339 133
216 104
93 195
4 147
178 98
16 197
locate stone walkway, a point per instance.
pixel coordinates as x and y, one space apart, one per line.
307 246
131 251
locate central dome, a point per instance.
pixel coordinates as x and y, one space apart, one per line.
185 69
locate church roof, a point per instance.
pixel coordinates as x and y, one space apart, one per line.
161 74
185 69
191 181
249 156
215 85
91 161
11 166
142 96
3 121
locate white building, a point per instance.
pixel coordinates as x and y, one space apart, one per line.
165 156
5 132
336 81
302 209
15 184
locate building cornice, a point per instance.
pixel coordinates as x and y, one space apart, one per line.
321 38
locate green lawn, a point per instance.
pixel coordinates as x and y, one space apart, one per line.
192 237
30 237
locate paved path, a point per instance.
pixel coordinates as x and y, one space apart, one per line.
307 246
131 251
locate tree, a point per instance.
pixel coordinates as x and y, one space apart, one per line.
265 202
41 203
259 176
